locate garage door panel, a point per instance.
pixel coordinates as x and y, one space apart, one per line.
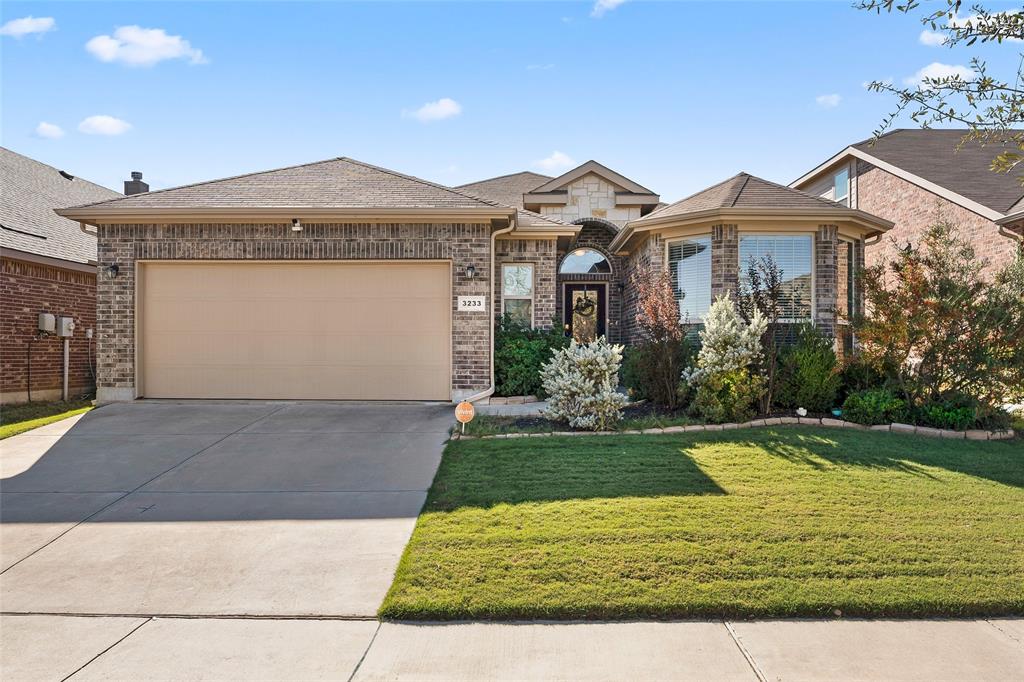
296 330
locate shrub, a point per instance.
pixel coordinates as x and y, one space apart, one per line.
762 290
654 365
948 414
858 374
722 383
644 370
875 406
939 329
519 354
581 383
808 376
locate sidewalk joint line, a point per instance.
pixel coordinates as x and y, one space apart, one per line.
367 651
1008 634
746 654
136 489
87 663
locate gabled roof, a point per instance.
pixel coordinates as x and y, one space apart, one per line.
592 167
743 191
334 185
31 191
506 189
930 159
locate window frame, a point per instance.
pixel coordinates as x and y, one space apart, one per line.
845 199
533 289
668 267
604 256
813 316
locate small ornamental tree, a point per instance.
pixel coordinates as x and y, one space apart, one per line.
938 329
656 362
761 292
725 387
581 383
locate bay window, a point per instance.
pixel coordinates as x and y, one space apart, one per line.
793 255
689 262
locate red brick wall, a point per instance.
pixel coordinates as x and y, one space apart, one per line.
26 289
914 209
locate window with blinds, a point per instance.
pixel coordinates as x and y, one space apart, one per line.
689 263
793 254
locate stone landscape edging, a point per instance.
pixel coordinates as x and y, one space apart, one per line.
972 434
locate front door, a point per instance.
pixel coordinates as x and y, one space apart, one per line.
585 311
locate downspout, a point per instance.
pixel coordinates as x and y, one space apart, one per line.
1006 232
490 334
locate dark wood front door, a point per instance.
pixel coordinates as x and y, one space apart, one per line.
584 309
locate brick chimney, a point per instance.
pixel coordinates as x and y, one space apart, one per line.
135 185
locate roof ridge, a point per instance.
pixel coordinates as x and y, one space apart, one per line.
428 183
502 177
706 189
739 190
210 182
827 202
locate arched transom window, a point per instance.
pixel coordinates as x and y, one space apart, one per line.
585 262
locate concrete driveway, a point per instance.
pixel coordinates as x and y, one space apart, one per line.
215 508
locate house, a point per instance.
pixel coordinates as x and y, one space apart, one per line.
915 178
47 265
343 280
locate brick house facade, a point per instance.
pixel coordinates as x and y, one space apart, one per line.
47 265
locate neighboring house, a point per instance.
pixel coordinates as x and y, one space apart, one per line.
47 264
342 280
915 178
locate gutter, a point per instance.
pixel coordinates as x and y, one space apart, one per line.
490 334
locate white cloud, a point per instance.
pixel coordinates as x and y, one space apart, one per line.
137 46
19 28
939 70
828 101
556 161
49 131
603 6
435 111
932 38
104 125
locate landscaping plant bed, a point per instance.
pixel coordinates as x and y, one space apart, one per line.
755 523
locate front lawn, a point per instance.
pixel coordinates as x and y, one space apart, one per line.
15 419
761 522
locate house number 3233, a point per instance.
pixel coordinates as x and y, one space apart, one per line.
477 304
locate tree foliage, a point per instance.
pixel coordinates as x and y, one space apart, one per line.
761 292
990 106
656 362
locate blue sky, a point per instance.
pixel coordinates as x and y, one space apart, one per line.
675 95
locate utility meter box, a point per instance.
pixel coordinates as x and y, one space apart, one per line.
65 326
47 323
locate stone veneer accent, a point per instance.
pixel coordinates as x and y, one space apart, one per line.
591 196
543 254
461 243
826 251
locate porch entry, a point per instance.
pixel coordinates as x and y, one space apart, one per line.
585 310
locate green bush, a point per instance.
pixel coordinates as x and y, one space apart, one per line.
875 406
807 373
728 396
651 370
519 353
858 374
947 415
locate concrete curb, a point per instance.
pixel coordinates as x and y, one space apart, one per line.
973 434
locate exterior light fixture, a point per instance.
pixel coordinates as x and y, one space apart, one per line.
470 271
111 270
296 225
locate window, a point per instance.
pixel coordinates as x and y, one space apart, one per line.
792 254
517 292
841 187
689 262
585 262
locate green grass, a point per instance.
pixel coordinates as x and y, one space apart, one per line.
489 425
763 522
15 419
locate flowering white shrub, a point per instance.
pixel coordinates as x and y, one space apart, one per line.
581 383
725 388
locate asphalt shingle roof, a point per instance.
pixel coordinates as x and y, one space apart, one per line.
30 192
334 183
933 155
744 191
507 189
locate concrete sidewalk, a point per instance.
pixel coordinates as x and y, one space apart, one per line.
39 647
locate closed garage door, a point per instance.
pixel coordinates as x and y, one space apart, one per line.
330 331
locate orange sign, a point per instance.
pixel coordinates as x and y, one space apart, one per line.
464 412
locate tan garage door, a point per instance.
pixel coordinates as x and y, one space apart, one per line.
337 331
